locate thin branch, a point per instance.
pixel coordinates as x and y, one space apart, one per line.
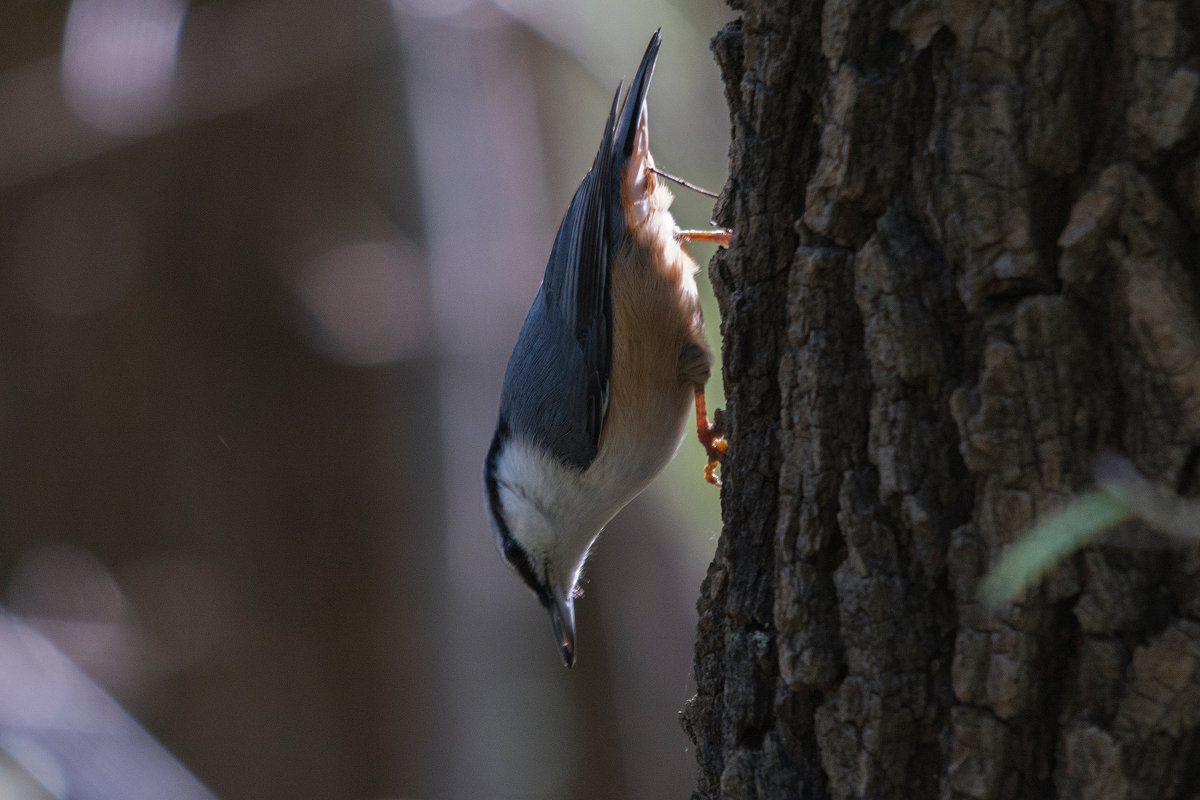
682 182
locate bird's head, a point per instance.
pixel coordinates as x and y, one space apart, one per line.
536 532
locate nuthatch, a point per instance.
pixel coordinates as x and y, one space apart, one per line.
610 358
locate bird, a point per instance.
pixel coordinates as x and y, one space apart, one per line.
608 363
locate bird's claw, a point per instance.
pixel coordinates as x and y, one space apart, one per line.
715 451
711 437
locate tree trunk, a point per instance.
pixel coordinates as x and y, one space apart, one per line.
963 264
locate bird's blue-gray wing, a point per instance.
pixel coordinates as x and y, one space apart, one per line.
556 389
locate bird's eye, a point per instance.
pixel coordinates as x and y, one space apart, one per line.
513 553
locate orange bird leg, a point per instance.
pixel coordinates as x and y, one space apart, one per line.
719 235
711 438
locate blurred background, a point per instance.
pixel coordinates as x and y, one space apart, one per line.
261 267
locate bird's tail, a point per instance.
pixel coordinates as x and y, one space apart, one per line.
635 103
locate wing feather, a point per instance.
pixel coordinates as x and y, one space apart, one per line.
556 390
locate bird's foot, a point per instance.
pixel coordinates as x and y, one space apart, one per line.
711 437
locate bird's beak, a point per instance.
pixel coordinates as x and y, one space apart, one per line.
562 617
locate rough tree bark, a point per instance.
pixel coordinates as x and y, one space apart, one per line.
966 238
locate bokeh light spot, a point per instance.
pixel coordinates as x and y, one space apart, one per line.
68 596
118 61
368 300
